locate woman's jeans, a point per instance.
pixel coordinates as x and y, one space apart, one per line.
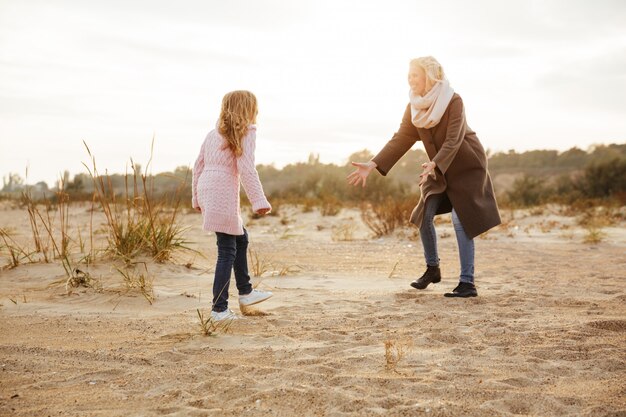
429 239
231 255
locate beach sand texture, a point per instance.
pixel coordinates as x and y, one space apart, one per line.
545 337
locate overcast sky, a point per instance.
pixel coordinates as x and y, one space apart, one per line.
330 76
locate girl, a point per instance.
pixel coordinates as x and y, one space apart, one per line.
226 158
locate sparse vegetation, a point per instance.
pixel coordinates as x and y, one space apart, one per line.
142 210
210 327
593 235
259 264
527 191
81 278
140 280
344 232
17 253
140 222
284 270
393 270
395 351
384 217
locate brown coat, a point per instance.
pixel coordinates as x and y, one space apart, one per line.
461 171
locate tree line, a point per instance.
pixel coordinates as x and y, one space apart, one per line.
540 176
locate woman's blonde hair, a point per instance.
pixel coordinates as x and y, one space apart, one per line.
239 111
432 68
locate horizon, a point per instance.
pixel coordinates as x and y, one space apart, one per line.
527 72
341 162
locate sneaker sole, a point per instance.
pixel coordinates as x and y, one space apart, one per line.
225 319
255 302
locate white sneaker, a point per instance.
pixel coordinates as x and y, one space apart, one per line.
224 315
255 297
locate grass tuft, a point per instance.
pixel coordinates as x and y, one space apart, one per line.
138 222
258 263
139 280
395 351
210 327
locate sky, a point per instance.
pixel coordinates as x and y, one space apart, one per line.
330 76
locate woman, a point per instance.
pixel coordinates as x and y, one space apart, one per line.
454 180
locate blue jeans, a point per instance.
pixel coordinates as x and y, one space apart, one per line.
429 239
231 255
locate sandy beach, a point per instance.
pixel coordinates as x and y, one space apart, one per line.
343 335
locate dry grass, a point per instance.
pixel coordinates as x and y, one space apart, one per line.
78 279
210 327
17 253
593 235
344 232
395 351
393 270
259 264
137 222
599 217
138 279
383 218
308 205
593 219
546 226
330 205
284 270
60 241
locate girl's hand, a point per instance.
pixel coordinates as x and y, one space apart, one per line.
363 169
263 211
428 170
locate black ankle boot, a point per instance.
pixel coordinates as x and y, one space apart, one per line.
464 290
432 275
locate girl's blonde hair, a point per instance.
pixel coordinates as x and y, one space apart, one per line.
239 110
432 68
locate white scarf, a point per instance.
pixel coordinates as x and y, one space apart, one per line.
426 111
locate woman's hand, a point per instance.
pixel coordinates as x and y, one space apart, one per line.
428 169
263 211
363 169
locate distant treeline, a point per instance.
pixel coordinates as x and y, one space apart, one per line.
573 158
524 178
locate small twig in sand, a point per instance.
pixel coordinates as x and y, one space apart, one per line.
393 269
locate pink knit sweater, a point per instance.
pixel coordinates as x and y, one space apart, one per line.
215 184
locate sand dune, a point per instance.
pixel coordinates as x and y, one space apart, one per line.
546 336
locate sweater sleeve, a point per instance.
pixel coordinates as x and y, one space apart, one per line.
249 175
198 167
400 143
455 133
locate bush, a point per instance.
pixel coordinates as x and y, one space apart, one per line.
384 217
527 191
604 179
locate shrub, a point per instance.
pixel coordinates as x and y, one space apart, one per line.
527 191
604 179
384 217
